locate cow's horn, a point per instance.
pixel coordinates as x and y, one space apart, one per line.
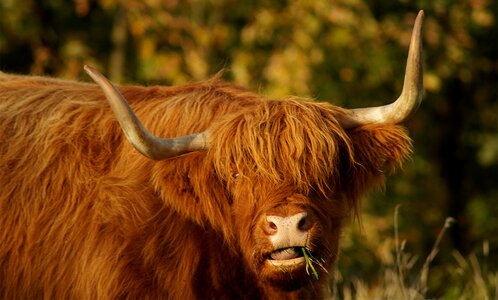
145 142
410 97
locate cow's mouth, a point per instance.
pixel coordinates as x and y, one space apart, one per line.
287 257
291 268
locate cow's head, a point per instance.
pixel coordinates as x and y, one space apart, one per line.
290 170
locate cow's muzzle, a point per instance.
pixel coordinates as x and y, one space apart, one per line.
289 235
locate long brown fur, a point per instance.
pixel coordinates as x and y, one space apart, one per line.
85 216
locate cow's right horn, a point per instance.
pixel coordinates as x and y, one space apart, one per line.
410 97
145 142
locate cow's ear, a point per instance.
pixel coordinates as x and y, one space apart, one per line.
377 150
191 188
381 147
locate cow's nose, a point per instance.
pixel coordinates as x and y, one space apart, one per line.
297 222
290 230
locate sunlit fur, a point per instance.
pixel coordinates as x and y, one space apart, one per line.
85 216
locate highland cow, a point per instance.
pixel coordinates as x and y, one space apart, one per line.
218 194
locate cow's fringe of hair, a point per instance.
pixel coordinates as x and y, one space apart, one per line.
284 142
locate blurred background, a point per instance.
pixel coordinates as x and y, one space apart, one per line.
351 53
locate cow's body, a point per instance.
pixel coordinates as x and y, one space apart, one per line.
83 215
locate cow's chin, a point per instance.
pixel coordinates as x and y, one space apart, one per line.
286 271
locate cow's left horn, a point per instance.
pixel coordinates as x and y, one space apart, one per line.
410 97
145 142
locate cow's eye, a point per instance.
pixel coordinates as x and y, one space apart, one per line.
235 176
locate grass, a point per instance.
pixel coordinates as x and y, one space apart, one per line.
310 262
463 277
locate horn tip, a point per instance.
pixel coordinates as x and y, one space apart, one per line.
90 71
95 75
420 16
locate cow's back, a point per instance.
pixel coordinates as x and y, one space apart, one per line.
52 162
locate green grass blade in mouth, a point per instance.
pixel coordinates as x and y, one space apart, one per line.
310 261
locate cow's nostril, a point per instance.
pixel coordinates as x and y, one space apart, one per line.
301 223
304 224
272 225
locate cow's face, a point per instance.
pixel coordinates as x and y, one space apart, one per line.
282 169
278 180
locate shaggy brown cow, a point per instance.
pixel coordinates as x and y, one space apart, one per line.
228 213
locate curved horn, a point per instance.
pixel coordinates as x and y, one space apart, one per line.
145 142
410 97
